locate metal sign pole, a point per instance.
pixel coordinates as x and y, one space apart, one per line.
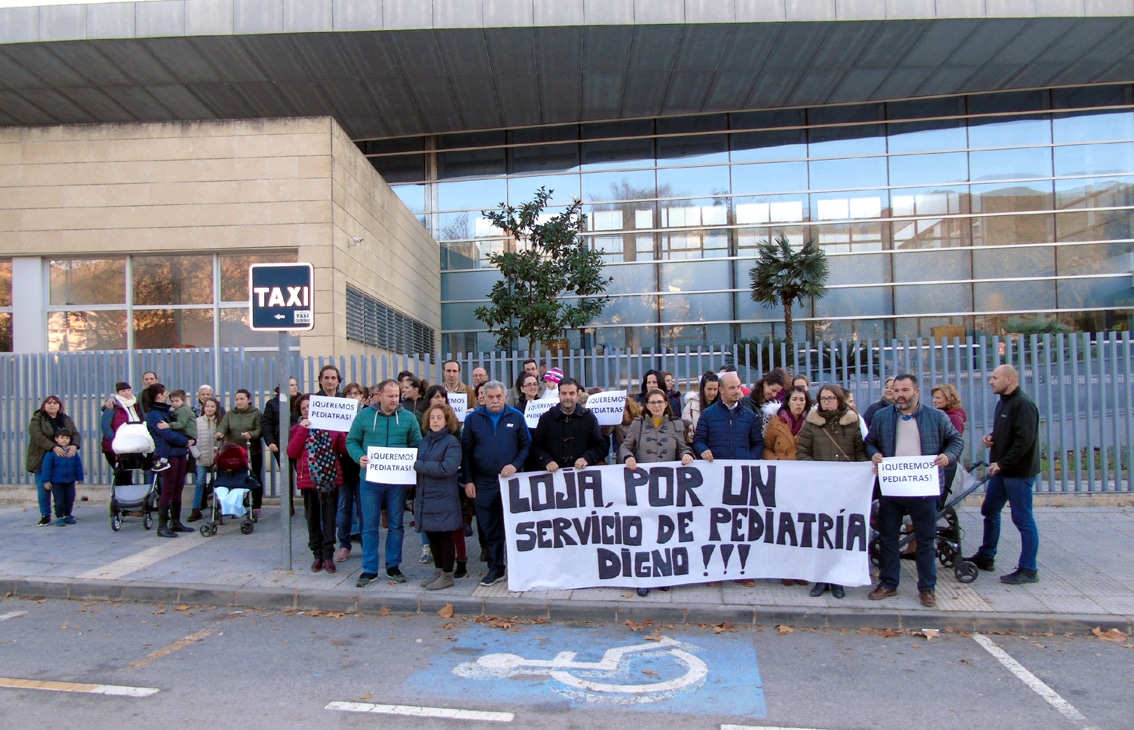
285 428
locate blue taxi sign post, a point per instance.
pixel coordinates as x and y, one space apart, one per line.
280 300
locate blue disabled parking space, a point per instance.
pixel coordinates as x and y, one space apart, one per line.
672 672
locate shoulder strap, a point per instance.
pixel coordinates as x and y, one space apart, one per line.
836 443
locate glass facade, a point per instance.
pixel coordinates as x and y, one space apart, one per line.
152 301
973 214
5 305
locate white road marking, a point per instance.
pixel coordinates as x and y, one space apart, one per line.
11 614
93 689
418 711
144 559
761 727
1033 682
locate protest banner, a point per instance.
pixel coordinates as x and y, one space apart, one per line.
331 414
537 408
667 524
608 406
909 476
459 402
390 465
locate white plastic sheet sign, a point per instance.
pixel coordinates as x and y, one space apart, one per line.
909 476
459 402
537 408
608 406
331 414
390 466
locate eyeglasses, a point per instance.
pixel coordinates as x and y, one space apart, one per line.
828 398
655 403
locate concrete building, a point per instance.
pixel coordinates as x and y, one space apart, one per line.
966 164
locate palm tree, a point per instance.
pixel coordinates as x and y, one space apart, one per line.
785 276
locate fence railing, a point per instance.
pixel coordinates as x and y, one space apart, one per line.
1081 383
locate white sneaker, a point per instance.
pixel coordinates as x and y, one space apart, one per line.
426 555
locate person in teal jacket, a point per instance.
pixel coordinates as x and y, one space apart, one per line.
383 423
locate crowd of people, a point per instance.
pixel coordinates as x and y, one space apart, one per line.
458 465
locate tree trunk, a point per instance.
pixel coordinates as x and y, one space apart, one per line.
789 328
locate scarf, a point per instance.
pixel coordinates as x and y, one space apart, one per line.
128 406
321 459
795 424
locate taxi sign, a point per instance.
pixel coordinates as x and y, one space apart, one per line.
280 297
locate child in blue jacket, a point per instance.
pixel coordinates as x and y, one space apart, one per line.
60 473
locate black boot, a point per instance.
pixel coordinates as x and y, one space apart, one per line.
175 518
163 524
462 569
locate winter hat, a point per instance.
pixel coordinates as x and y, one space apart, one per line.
121 385
554 375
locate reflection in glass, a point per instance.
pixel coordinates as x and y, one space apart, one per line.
747 239
1111 292
858 269
771 177
933 298
692 150
412 195
458 255
856 302
173 280
5 283
1012 230
1010 198
546 155
694 244
690 276
635 309
846 237
931 265
1014 296
1016 262
1017 164
93 281
1094 225
1011 132
5 332
1097 159
471 162
400 168
1094 126
87 330
771 209
563 188
932 217
944 134
846 141
234 273
850 174
924 170
472 194
681 336
234 330
473 285
777 144
631 278
695 307
461 316
616 154
628 185
1099 258
162 328
693 181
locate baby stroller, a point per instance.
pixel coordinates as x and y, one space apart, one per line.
232 485
132 447
949 532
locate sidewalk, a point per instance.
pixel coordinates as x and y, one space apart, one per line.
1087 580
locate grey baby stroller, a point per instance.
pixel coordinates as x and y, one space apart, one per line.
232 485
133 499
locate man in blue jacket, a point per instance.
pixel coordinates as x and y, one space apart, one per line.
726 429
907 428
383 423
494 443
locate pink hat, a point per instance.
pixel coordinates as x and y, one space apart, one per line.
554 375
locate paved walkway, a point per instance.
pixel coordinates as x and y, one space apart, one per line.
1087 578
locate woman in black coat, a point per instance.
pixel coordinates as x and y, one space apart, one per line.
437 499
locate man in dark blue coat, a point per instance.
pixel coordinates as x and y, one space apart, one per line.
726 429
494 443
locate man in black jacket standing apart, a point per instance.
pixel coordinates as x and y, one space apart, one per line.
1013 465
568 434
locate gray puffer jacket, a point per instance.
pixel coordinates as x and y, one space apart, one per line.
437 499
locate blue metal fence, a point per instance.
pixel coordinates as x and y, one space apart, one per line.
1081 383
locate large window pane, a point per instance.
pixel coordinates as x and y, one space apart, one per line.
949 167
858 137
1098 258
91 281
457 255
748 239
866 172
1015 296
695 307
86 330
692 181
932 217
5 283
400 168
624 150
690 276
693 336
777 144
628 185
163 328
631 310
770 177
1012 230
468 284
1012 132
412 195
1002 198
1094 126
1105 192
858 269
563 188
1094 225
693 213
234 273
930 265
694 244
544 149
852 237
235 332
1017 164
932 298
472 194
772 209
928 136
849 206
471 162
1111 292
632 278
690 144
5 332
1095 159
874 301
173 280
1021 261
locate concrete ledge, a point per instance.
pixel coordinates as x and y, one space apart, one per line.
508 606
717 614
326 600
583 611
94 590
860 618
43 587
431 603
809 618
151 592
199 595
655 611
373 602
266 597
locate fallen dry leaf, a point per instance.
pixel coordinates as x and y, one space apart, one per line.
366 697
446 611
639 626
785 629
653 637
723 627
384 611
182 608
929 634
1110 635
649 671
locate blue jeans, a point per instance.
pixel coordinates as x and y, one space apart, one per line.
923 515
374 498
200 479
1017 492
350 508
43 494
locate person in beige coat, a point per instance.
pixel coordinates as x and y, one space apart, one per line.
831 433
783 430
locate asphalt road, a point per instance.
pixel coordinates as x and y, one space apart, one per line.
220 667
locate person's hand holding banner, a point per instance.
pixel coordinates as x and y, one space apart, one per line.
390 466
331 414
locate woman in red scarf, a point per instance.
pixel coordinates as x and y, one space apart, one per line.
782 432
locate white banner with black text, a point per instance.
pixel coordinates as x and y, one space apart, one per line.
667 524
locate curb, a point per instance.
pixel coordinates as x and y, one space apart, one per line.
426 604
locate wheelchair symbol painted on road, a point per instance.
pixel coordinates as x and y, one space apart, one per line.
649 672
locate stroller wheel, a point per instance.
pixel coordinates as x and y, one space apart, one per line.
965 572
207 530
147 521
115 522
875 549
946 555
246 528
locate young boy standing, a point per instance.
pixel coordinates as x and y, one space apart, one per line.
60 473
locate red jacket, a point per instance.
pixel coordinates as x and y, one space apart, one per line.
297 452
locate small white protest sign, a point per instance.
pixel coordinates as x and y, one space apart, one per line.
331 414
607 406
459 402
390 466
909 476
537 408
